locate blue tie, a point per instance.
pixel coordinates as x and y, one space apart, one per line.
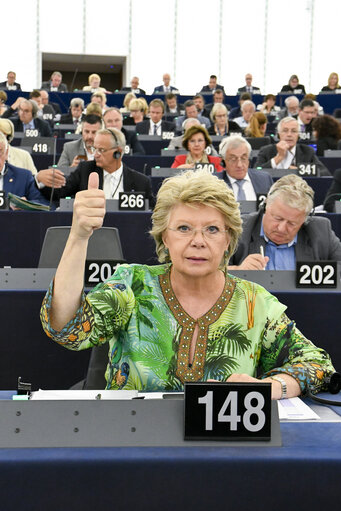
241 194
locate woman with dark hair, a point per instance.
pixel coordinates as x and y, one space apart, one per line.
195 141
327 132
257 125
333 83
294 86
269 107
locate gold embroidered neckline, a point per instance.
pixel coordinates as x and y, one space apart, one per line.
184 371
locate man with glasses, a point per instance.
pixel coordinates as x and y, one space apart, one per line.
245 183
114 175
284 231
287 153
27 119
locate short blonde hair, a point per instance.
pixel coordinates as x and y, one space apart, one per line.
94 109
217 107
127 98
195 188
94 75
136 104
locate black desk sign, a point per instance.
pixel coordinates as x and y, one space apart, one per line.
98 271
31 133
167 135
205 166
227 411
131 201
318 274
308 169
261 198
3 200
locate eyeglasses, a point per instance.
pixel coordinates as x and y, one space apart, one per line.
100 150
234 159
211 232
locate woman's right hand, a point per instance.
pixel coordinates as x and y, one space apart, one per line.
88 209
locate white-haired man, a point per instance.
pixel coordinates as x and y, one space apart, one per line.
248 108
245 183
286 231
287 153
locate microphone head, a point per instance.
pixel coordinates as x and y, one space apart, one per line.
334 384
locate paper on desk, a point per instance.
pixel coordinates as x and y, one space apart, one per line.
62 395
295 409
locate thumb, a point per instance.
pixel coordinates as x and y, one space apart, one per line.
93 182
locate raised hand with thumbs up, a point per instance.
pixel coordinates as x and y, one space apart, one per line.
88 214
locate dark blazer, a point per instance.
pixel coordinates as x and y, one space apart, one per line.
304 155
78 180
160 89
21 182
334 192
254 90
235 112
129 89
206 88
66 118
143 127
261 181
179 109
233 128
3 85
299 87
327 89
133 142
42 126
316 241
62 87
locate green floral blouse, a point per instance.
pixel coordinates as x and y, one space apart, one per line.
149 334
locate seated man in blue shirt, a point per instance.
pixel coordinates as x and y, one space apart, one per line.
285 231
16 180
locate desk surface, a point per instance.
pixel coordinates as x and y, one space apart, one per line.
302 474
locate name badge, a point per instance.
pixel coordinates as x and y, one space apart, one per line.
227 411
205 166
3 200
131 201
307 170
167 135
321 274
31 133
99 271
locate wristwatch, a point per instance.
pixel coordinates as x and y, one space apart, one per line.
283 385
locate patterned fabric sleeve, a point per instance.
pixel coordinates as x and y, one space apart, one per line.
285 350
103 312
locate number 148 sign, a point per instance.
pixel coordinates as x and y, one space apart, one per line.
227 411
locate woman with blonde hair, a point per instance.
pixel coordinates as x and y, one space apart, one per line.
138 109
94 84
257 125
186 319
127 98
333 83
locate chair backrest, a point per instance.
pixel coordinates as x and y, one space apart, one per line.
258 142
104 243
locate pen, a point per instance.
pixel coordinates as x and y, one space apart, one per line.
261 250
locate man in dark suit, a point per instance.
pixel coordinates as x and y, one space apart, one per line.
134 87
236 111
155 125
172 106
166 87
27 110
212 85
252 89
10 84
286 231
114 176
113 118
74 115
245 183
17 180
287 153
55 83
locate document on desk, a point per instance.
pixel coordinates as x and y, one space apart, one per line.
62 395
294 409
